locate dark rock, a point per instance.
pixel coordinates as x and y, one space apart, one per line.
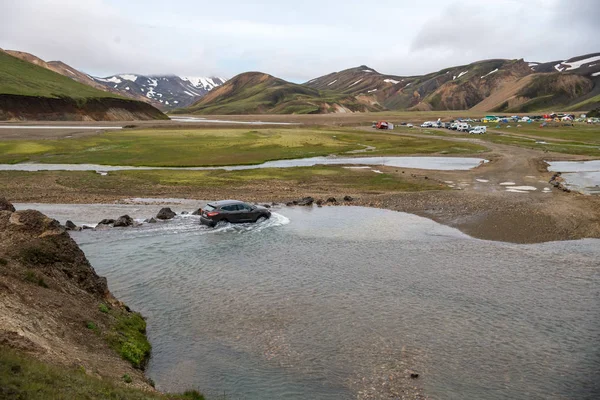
290 203
86 227
273 204
348 198
197 212
331 200
6 206
426 177
320 202
306 201
70 225
123 221
414 375
150 221
184 213
106 221
165 213
266 205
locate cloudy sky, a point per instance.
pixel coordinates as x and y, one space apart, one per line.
296 40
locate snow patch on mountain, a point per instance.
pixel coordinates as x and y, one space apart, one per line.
391 81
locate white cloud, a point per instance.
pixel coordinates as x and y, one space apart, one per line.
299 41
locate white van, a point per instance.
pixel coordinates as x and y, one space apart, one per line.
478 130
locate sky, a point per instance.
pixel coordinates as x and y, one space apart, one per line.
295 40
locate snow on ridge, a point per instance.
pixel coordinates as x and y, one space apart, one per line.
367 70
533 64
461 74
557 67
129 77
391 81
576 64
331 83
371 91
355 82
489 73
596 74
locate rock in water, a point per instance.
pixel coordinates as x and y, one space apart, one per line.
348 198
197 212
106 221
306 201
71 226
165 213
6 206
123 221
331 200
150 221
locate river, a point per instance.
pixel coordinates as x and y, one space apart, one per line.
342 302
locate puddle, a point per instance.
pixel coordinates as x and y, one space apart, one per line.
221 121
507 183
580 176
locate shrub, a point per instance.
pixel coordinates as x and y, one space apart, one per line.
127 378
32 277
103 308
3 261
128 338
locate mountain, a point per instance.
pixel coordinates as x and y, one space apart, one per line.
32 92
166 91
258 93
497 85
162 91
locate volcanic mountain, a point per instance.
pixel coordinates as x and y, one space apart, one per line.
258 93
166 91
497 85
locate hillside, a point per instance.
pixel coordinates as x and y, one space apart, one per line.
32 92
258 93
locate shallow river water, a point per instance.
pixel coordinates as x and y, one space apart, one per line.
338 302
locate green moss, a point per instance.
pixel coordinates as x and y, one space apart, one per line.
23 377
128 338
127 379
103 308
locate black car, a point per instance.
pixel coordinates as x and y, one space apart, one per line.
232 211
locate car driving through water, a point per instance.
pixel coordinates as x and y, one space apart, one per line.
233 211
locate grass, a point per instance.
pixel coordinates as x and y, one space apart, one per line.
103 308
23 377
128 338
20 77
212 147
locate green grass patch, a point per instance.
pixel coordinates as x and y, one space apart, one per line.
128 338
23 377
579 132
214 147
103 308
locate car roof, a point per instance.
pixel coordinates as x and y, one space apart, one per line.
221 203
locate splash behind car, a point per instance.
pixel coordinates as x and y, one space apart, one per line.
233 211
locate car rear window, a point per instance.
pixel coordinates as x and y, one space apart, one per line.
209 207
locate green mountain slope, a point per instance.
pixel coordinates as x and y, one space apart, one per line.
28 91
258 93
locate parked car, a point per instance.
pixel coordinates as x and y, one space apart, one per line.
233 211
478 130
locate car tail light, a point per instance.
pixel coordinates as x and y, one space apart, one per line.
212 214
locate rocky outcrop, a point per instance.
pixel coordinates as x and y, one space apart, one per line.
23 108
166 213
53 304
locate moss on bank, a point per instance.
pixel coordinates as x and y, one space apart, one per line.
23 377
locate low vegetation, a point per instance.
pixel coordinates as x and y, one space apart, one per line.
211 147
128 337
23 377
